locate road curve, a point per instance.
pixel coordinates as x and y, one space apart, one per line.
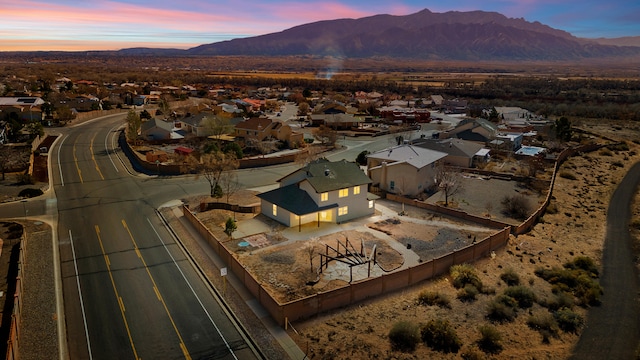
613 329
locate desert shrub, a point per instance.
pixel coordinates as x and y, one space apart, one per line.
502 309
516 206
510 277
440 336
567 175
404 336
490 340
522 294
605 152
552 208
25 179
635 224
463 275
568 320
471 354
584 263
545 324
468 293
617 164
577 278
434 298
560 300
623 146
29 193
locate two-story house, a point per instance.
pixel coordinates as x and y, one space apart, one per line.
261 129
404 169
322 191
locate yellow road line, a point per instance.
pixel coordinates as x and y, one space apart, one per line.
115 290
94 158
75 159
185 351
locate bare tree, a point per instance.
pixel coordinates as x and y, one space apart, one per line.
311 249
449 181
229 183
308 155
264 147
325 135
211 166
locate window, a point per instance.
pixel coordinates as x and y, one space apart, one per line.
275 210
392 185
343 210
324 196
343 193
370 204
356 190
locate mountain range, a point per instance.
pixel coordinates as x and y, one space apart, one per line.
473 35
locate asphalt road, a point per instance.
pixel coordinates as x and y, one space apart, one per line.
613 329
129 291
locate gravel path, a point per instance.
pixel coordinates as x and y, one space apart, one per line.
39 332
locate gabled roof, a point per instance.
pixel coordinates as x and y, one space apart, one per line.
452 146
415 156
152 123
324 175
259 124
196 120
294 200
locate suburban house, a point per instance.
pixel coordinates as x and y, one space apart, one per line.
322 191
197 124
404 169
459 152
337 121
263 128
21 108
477 130
156 129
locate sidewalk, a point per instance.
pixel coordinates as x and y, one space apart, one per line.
253 317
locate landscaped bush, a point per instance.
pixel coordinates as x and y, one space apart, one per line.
434 298
545 324
404 336
440 336
568 320
502 309
516 206
463 275
29 193
490 340
522 294
510 277
467 293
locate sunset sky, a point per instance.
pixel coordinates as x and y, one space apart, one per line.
115 24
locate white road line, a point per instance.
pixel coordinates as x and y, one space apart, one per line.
59 163
84 317
193 291
107 148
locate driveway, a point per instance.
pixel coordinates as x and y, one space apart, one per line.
612 329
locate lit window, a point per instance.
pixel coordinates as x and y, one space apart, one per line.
324 196
356 190
323 215
370 204
343 210
275 210
343 193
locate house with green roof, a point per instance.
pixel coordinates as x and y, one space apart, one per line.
322 191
